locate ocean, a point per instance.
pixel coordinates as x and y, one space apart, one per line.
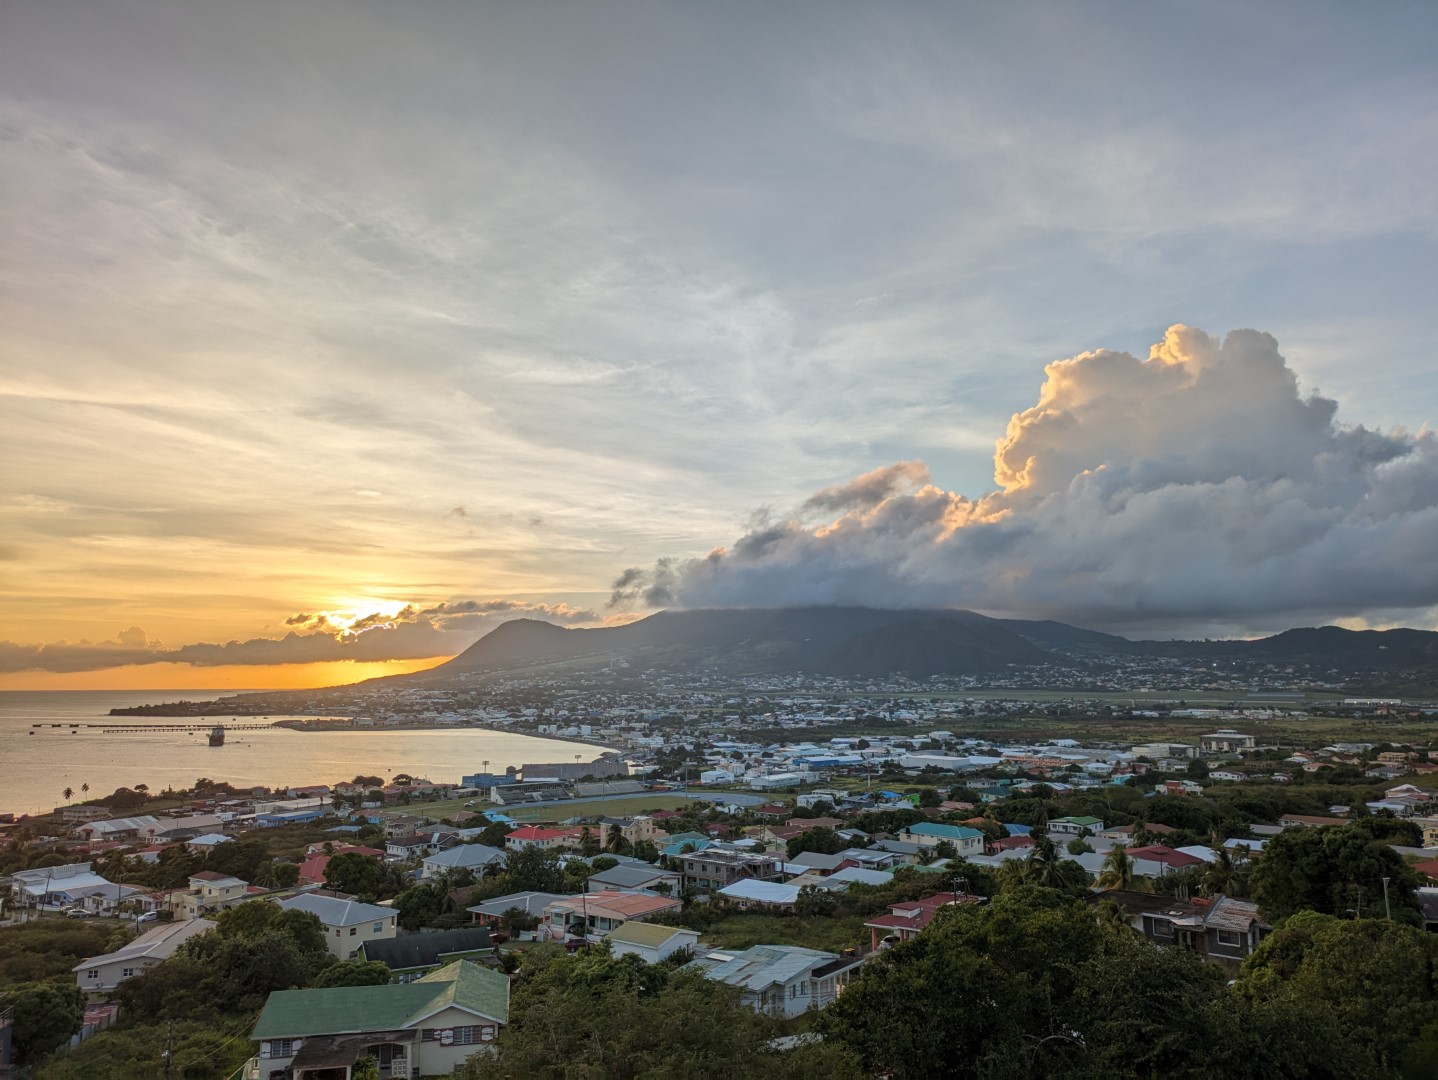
38 764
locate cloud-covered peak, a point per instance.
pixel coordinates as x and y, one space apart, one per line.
1197 486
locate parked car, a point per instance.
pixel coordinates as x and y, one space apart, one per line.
149 916
77 913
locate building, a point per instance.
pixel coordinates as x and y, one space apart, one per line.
1226 741
714 868
127 828
1222 928
965 841
1075 826
472 857
906 920
781 979
747 893
534 836
52 887
210 891
102 974
652 878
529 905
649 941
415 955
421 1028
348 924
592 915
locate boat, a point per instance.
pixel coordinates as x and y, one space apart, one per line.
217 735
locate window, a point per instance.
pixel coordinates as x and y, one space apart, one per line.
1231 938
93 973
278 1048
1162 928
378 927
127 973
354 930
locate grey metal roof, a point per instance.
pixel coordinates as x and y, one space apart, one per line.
764 966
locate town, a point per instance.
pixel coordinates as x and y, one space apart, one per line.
779 856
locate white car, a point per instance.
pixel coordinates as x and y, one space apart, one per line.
149 916
77 913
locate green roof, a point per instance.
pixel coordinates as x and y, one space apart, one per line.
948 832
641 933
343 1009
1081 820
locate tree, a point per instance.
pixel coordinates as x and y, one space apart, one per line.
533 870
68 793
46 1015
928 797
84 789
824 841
1336 871
1079 846
495 833
588 844
363 876
1117 871
355 973
1332 969
1225 875
813 902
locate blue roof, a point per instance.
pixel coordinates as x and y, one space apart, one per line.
1018 830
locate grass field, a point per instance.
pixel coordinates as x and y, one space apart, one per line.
624 807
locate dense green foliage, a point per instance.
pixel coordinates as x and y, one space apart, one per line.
1033 985
591 1016
1333 870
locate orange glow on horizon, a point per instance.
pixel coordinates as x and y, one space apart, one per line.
229 677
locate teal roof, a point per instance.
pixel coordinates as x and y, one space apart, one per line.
1081 820
944 832
341 1010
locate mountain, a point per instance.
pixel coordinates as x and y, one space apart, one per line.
819 640
873 643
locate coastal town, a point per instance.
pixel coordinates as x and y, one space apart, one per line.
736 840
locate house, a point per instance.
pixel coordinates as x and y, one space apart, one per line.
633 829
1075 826
348 924
902 851
207 842
421 1028
102 974
1155 860
413 846
715 868
906 920
750 892
472 857
312 870
1226 741
533 836
1221 928
52 887
126 828
649 941
965 841
784 980
529 904
651 878
1291 821
415 955
210 891
595 914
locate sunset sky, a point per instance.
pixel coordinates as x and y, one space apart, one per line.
335 333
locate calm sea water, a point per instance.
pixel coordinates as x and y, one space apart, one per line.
36 768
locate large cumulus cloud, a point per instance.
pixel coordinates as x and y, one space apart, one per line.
1197 486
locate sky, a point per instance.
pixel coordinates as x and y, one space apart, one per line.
336 333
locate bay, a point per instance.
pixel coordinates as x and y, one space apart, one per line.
36 768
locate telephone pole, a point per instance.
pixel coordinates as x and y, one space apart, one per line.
169 1046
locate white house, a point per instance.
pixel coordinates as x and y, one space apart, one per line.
348 924
472 857
782 979
101 974
650 941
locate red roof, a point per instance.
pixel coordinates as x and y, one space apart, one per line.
1430 867
914 915
534 832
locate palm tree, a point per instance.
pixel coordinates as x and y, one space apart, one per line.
1117 872
68 792
84 789
1225 875
1112 917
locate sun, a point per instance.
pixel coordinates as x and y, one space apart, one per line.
350 610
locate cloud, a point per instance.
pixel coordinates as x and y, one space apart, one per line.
413 633
1196 486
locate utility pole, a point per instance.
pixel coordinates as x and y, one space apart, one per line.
1387 910
169 1047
